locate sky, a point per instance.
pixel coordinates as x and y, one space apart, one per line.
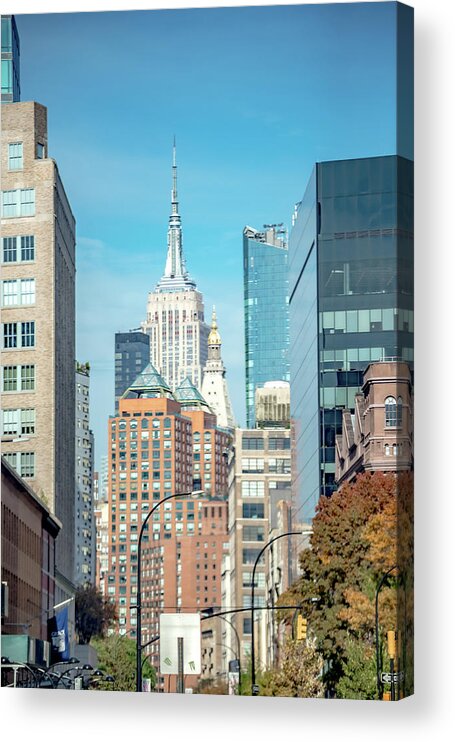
254 96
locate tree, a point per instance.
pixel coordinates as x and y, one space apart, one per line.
299 673
117 657
359 533
94 614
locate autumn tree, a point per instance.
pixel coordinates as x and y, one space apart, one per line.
94 614
359 533
298 674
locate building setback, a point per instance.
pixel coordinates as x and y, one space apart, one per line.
266 291
132 354
351 301
38 322
84 571
175 311
160 447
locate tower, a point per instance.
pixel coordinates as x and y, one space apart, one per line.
214 386
175 310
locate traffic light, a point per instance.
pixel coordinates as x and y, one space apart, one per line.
392 644
301 628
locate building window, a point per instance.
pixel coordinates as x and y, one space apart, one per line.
276 444
40 151
252 444
15 158
23 463
18 335
253 533
391 416
252 465
18 249
20 202
253 488
249 556
280 466
18 292
252 510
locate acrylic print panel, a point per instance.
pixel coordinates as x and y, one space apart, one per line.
218 497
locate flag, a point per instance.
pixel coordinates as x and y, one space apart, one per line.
59 636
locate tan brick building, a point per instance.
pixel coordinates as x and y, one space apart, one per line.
38 320
379 435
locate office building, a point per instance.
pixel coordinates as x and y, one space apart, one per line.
266 291
159 448
175 311
84 538
351 301
132 354
11 84
214 384
378 436
38 323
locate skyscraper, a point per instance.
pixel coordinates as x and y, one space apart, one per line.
351 301
38 321
132 354
214 385
84 568
265 281
175 311
11 86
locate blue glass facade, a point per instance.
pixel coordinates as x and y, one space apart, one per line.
132 354
11 90
266 307
351 301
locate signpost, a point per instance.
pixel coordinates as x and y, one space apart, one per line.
392 677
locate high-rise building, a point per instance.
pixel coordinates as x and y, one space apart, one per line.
132 354
38 322
160 446
11 85
175 311
214 385
351 301
84 568
259 478
266 291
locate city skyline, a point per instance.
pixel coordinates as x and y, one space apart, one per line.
246 145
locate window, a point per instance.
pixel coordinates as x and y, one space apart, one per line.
23 463
18 292
280 466
253 488
252 465
253 533
15 159
18 335
9 252
252 510
20 202
282 444
252 444
40 151
391 415
249 556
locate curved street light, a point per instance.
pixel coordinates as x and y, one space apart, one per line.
254 690
194 493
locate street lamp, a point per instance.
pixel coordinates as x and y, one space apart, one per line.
195 493
253 582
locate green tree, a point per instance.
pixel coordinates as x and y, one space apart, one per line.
358 679
117 657
94 614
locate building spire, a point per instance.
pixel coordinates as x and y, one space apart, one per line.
175 276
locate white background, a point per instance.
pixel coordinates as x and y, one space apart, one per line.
430 713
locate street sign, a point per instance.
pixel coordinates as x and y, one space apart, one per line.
255 690
392 677
174 626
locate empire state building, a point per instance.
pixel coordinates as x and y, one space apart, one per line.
175 311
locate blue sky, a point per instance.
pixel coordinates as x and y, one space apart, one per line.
254 96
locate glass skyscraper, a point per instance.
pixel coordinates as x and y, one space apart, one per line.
351 301
11 90
132 354
266 307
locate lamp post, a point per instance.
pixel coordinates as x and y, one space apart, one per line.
195 493
253 582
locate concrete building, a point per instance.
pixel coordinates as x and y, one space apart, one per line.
214 385
378 436
29 533
132 354
175 311
273 404
160 447
101 515
38 322
351 301
259 478
266 292
84 538
11 84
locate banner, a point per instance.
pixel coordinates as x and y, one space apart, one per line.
59 636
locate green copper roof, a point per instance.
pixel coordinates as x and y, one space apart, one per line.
149 383
188 396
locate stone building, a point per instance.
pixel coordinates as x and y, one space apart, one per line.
38 322
379 435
